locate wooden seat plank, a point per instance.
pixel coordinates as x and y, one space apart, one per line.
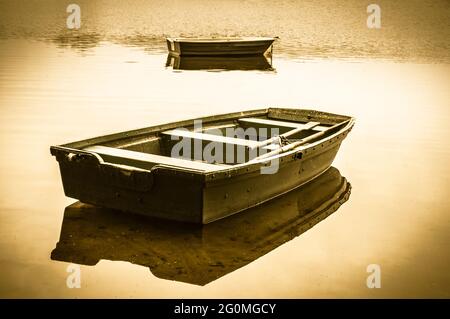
260 122
212 137
145 160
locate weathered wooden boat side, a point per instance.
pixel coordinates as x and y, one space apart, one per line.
133 171
218 46
191 253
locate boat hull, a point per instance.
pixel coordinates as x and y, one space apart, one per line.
223 199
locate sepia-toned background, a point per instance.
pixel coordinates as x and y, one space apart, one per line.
59 85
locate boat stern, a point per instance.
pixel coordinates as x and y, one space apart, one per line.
173 46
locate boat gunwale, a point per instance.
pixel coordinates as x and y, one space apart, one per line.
220 40
221 172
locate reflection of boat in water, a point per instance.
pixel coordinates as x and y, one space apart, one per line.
79 41
192 253
246 63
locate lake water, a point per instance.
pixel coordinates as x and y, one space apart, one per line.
58 86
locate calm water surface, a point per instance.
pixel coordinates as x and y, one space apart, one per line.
57 87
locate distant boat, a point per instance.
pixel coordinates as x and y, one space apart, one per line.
137 171
219 46
228 63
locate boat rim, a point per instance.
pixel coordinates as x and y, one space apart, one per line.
214 174
220 39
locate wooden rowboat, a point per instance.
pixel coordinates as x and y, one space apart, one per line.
192 253
200 173
219 46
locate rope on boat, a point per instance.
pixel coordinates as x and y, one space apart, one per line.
282 140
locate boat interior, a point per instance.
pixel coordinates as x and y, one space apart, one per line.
215 145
